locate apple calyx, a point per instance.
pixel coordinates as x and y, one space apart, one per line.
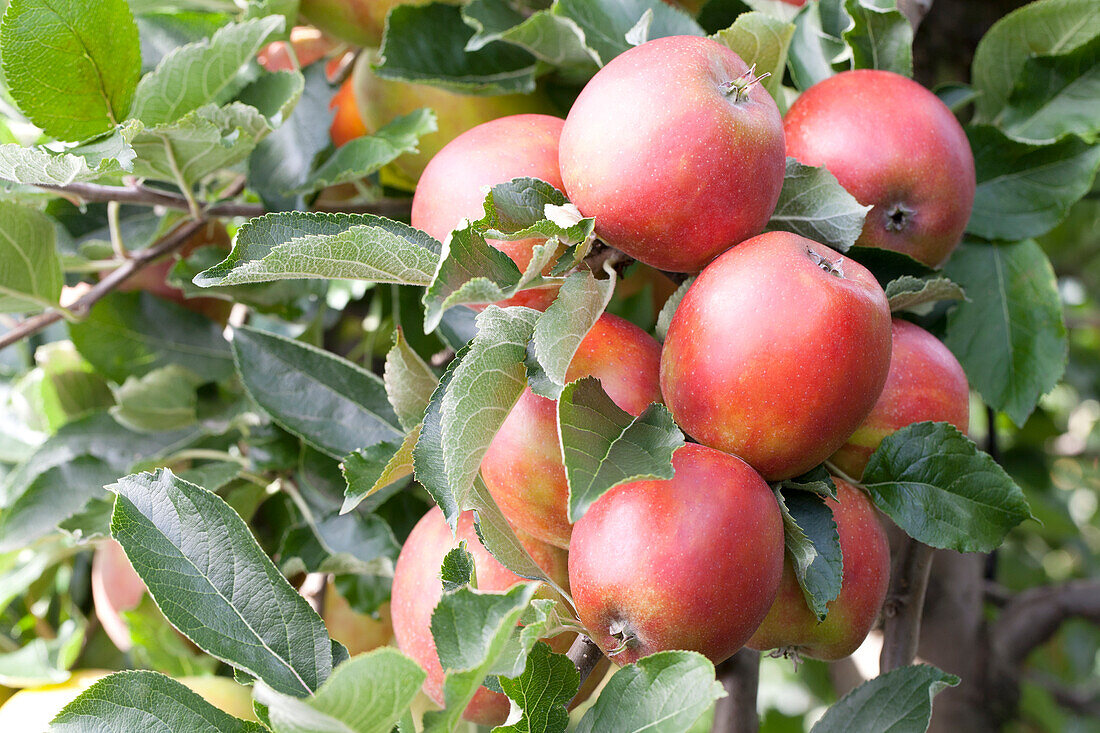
793 653
833 268
898 217
742 85
622 632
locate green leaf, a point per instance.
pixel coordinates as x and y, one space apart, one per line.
409 382
163 399
31 278
816 480
548 683
1026 190
472 630
1046 28
561 328
814 205
1008 335
132 334
458 569
887 265
63 387
604 446
216 585
899 701
314 245
111 153
915 293
331 403
366 694
369 470
761 41
202 72
427 44
71 65
880 37
548 35
523 208
140 700
53 496
818 45
663 693
366 155
201 142
500 539
942 491
284 159
811 538
43 661
668 310
96 435
471 402
1056 96
605 24
472 271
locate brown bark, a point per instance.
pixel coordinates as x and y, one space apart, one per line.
740 675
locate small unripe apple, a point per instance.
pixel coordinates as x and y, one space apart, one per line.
523 467
926 382
357 21
791 625
689 563
381 100
358 632
455 182
417 589
677 150
32 709
777 353
895 146
116 587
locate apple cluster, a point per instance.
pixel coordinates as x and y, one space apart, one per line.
781 355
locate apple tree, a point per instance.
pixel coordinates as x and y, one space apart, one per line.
587 365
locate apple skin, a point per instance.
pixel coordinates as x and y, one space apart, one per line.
116 587
926 382
358 632
381 100
452 187
693 562
309 45
523 467
417 590
790 625
32 709
774 359
675 170
346 123
895 146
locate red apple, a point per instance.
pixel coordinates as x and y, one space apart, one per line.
417 589
926 382
676 150
895 146
777 353
381 100
454 184
523 467
693 562
791 625
116 587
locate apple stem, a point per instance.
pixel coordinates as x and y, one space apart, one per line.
833 268
742 85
